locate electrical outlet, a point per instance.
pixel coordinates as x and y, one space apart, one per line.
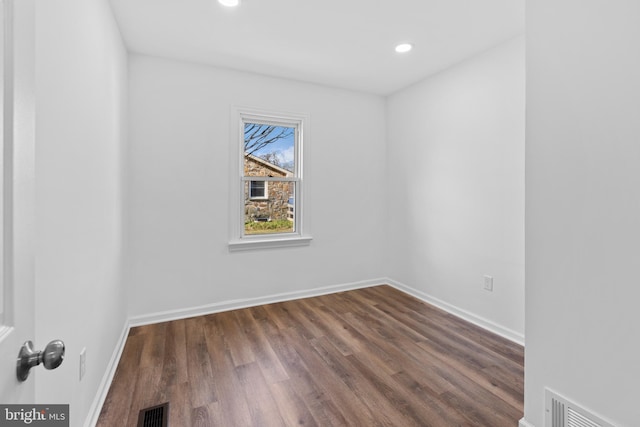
488 283
83 362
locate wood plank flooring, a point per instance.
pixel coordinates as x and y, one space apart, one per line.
368 357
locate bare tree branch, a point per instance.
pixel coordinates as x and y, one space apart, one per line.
258 136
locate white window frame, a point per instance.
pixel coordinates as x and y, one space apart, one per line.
266 190
239 241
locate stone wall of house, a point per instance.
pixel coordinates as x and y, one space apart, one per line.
275 207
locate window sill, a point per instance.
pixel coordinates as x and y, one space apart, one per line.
268 243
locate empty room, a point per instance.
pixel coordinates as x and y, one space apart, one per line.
278 213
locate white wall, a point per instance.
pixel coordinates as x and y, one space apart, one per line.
456 177
177 202
583 206
80 109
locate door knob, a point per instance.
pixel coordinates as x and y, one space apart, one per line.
51 357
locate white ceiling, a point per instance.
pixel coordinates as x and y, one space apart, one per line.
347 44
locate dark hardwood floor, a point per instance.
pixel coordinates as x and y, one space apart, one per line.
368 357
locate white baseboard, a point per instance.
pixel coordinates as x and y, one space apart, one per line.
166 316
524 423
103 388
459 312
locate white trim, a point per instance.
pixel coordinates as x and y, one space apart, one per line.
300 121
504 332
525 423
105 384
5 200
166 316
6 160
248 243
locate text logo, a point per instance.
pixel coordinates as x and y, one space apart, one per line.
34 415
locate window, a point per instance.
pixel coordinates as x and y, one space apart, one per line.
258 190
267 185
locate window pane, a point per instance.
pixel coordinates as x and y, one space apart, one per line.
272 214
257 190
269 150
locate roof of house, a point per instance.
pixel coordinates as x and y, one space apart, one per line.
266 164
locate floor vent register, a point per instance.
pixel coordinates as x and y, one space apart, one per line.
156 416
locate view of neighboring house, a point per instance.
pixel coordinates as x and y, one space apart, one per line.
266 200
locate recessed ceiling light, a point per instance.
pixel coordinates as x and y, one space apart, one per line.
229 3
404 47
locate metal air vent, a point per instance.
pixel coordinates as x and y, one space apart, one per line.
156 416
564 413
